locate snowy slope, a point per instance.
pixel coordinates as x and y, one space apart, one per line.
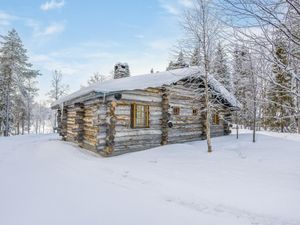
50 182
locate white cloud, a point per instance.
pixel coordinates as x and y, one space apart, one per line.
175 7
53 29
170 8
186 3
5 19
79 63
161 44
139 36
53 4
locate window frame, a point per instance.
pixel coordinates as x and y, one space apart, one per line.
216 119
134 114
176 110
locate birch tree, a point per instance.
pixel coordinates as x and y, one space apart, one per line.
97 78
202 27
58 89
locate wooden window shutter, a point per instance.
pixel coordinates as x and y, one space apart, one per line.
147 115
216 119
133 115
176 110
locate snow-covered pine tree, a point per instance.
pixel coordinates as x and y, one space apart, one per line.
281 102
179 63
195 58
19 114
293 23
14 71
267 16
170 66
2 105
30 92
220 67
241 83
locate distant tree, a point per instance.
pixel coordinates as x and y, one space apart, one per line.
31 92
179 63
195 58
241 82
58 89
97 78
281 102
41 116
220 67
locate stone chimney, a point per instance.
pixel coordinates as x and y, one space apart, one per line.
121 70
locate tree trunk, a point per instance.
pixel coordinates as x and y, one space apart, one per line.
6 130
237 126
28 119
18 128
55 122
208 113
23 126
254 120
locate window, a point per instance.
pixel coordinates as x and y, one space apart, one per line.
176 110
195 112
216 119
140 116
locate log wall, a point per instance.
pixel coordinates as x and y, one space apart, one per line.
92 124
129 139
186 126
104 126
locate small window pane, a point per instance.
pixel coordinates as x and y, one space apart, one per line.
176 110
139 116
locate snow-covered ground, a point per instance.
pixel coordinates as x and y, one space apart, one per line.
44 181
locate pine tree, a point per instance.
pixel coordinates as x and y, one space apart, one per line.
195 58
28 96
15 70
241 83
281 102
170 66
180 62
220 68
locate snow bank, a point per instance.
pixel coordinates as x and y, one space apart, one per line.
47 181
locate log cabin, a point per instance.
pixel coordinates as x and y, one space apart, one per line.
141 112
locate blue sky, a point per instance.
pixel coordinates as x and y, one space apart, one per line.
83 37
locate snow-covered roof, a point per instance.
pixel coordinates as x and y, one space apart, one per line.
153 80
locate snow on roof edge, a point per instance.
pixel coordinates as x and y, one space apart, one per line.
144 81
